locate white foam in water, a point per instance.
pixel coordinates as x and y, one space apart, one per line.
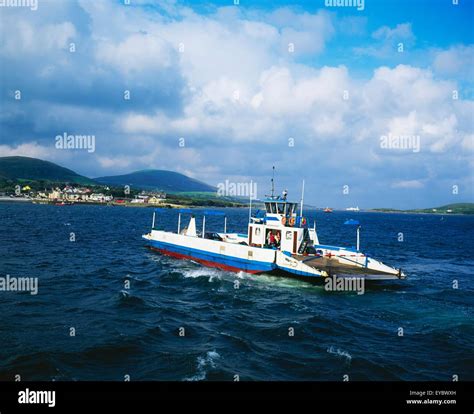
243 275
266 281
339 353
203 272
202 363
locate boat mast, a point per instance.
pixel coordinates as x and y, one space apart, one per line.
273 181
302 200
358 238
250 208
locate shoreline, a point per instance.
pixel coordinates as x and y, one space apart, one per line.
23 200
434 213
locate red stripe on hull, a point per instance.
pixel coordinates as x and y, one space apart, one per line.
203 262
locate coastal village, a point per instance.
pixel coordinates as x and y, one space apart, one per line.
84 195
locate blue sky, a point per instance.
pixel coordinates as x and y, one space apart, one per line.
222 92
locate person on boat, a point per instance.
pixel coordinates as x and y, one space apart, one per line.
277 240
271 239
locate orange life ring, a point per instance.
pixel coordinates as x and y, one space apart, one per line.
292 221
283 220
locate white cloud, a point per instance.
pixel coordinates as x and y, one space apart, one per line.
399 32
387 41
113 162
468 142
410 184
309 106
456 61
137 54
31 39
30 149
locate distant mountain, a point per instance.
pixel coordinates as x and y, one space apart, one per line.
157 180
34 169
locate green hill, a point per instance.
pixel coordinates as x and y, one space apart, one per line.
456 208
33 169
168 181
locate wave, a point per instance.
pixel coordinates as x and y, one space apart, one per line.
340 353
212 274
203 364
126 298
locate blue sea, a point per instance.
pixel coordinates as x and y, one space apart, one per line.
133 331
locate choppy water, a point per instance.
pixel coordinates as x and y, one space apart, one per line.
228 331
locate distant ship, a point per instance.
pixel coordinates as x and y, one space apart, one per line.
353 208
328 210
278 241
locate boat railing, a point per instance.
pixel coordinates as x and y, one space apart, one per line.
190 211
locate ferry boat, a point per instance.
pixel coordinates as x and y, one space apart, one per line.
328 210
278 241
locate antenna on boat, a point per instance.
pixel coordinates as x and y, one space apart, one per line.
273 181
302 200
250 206
358 238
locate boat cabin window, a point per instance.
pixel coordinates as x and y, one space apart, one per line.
281 208
291 208
271 208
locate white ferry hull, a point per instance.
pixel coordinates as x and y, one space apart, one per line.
228 256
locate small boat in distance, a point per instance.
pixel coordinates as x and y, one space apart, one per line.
278 241
353 208
328 210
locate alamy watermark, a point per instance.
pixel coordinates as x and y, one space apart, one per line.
400 142
37 397
237 189
359 4
19 284
32 4
345 284
66 141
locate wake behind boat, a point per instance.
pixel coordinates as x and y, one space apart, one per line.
278 241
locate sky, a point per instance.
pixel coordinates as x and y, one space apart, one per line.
371 103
